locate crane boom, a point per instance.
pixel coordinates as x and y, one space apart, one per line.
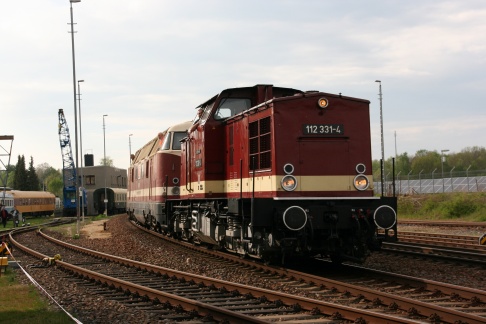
68 167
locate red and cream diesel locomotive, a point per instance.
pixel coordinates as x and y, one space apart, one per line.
153 177
271 172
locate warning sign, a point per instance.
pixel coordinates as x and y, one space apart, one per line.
482 240
3 249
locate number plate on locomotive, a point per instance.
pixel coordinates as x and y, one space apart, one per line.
323 129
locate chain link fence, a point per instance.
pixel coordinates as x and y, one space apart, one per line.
427 183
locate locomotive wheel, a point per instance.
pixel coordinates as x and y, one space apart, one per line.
153 223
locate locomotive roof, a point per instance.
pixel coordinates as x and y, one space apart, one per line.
277 92
153 145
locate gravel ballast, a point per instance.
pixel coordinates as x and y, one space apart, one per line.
122 239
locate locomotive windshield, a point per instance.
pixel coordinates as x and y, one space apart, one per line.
231 106
166 144
178 136
176 142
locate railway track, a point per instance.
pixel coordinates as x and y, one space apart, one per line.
401 298
464 242
455 248
442 223
192 297
412 296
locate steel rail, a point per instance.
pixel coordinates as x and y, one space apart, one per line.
217 313
435 252
404 303
309 304
441 223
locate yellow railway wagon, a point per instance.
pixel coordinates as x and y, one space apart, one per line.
34 203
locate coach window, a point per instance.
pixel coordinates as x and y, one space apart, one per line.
231 106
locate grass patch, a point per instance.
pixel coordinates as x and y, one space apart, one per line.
23 304
463 206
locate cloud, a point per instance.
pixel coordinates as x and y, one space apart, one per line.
147 64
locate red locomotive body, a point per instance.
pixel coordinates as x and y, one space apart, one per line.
154 177
273 172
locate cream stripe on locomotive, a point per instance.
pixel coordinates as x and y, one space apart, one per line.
153 192
273 184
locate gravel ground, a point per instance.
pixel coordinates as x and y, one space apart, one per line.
120 238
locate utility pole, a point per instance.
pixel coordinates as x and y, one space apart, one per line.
382 140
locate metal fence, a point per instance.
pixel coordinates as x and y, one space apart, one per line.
427 183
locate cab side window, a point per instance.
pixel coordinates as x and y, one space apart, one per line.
231 106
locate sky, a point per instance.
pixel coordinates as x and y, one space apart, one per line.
148 64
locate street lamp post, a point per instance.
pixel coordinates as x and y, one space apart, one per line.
381 127
442 164
75 116
130 148
81 149
104 163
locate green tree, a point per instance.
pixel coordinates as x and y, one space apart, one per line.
473 157
44 171
32 179
55 184
20 175
428 161
9 173
403 164
108 161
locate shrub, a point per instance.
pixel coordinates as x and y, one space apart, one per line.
459 206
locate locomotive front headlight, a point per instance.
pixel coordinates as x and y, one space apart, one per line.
361 182
288 168
360 168
289 183
322 103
